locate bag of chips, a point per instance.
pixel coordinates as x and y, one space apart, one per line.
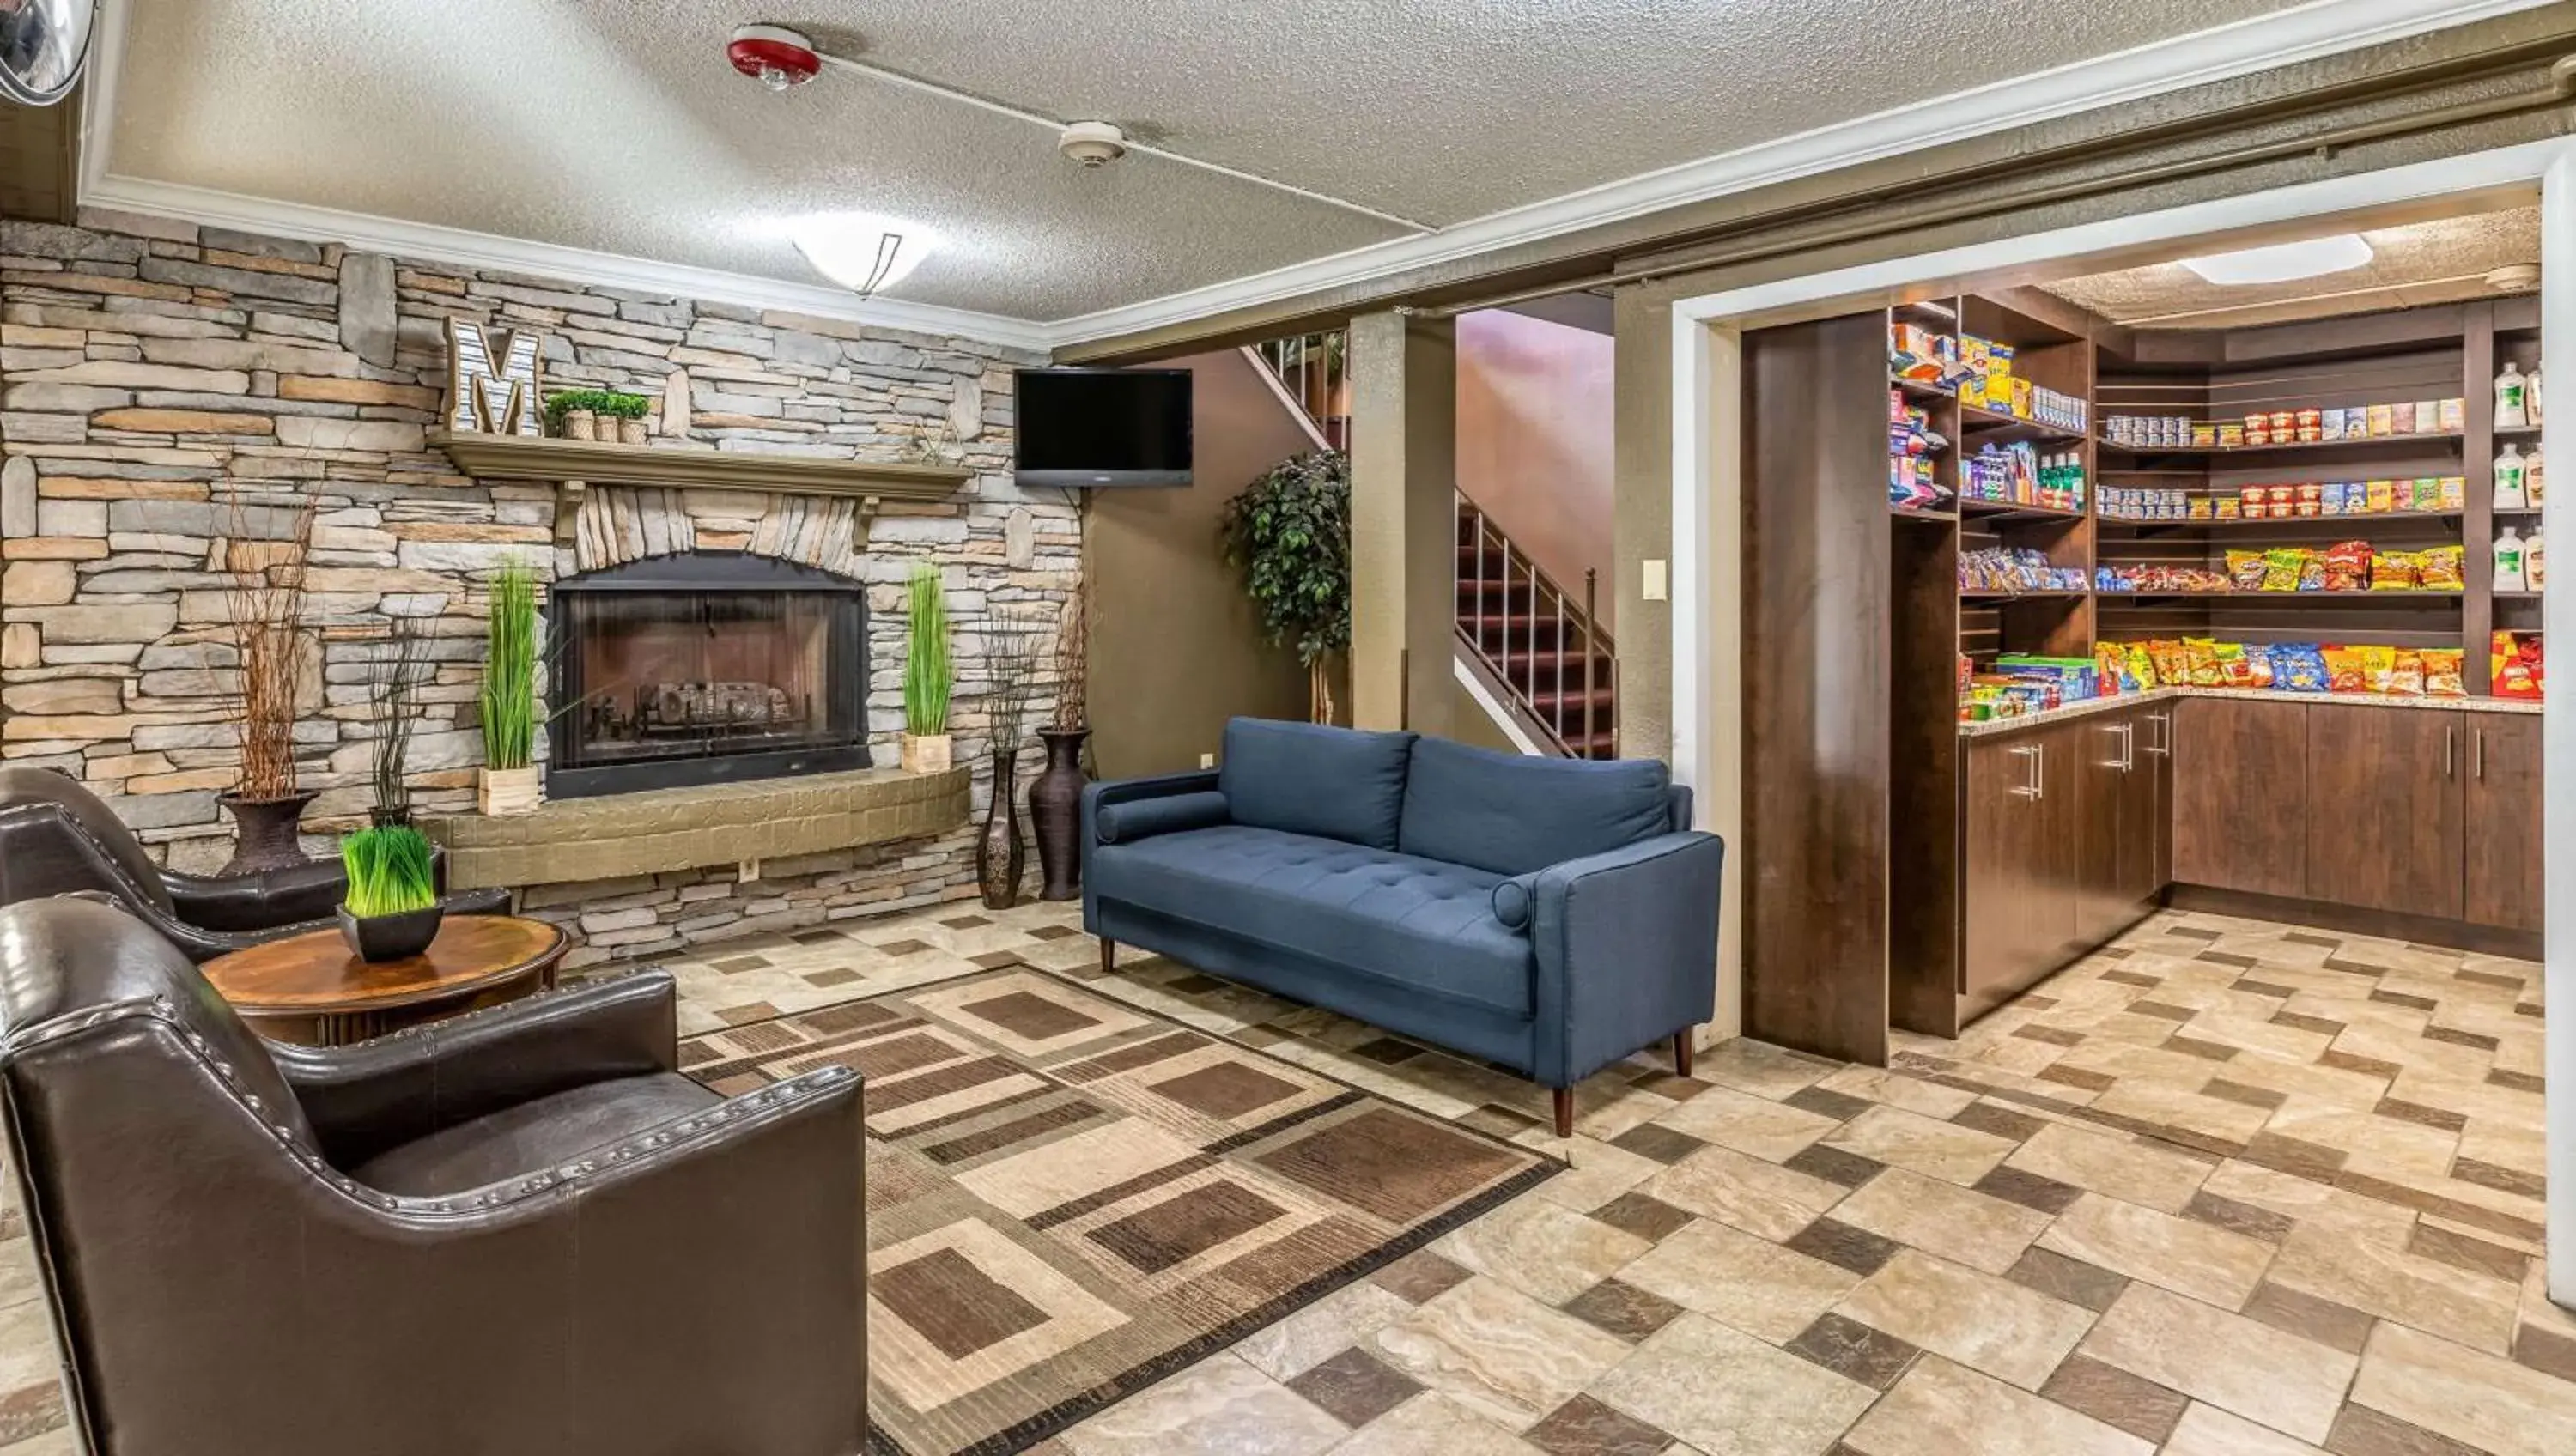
2173 661
2298 667
2235 670
2344 670
2442 673
2440 569
2245 570
2142 665
2406 674
2282 567
2202 656
2347 566
2396 571
2378 668
2516 663
2111 669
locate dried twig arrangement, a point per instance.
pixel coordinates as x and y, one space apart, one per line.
1073 664
401 668
266 604
1010 664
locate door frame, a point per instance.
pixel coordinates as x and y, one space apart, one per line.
1708 501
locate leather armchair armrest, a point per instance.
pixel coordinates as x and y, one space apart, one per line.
1626 945
375 1095
237 903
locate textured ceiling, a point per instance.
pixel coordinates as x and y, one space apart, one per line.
2429 262
615 125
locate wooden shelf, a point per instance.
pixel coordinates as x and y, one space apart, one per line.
2362 442
1945 517
2518 596
2053 594
2319 523
526 457
2289 598
1919 390
1972 507
1991 425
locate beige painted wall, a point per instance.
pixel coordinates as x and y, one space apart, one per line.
1535 415
1176 648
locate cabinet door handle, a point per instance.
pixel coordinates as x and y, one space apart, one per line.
2450 751
2478 753
2163 746
2039 772
2029 787
2128 747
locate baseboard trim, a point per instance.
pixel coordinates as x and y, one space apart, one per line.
2360 920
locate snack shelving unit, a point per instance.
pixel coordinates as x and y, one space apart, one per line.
1910 871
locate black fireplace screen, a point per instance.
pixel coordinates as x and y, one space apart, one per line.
703 668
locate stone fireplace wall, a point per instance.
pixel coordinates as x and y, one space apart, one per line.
169 392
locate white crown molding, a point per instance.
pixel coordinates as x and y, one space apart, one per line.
465 249
2322 28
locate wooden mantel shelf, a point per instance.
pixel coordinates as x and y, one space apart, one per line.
587 463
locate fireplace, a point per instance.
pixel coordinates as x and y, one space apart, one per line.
704 667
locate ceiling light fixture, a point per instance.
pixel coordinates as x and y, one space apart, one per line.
859 252
2307 258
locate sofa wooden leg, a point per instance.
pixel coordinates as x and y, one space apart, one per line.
1108 955
1565 1112
1682 1052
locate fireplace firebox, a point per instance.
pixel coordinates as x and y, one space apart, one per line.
704 667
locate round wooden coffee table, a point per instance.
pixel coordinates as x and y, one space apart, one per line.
313 989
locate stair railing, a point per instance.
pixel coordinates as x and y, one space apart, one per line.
1590 730
1313 370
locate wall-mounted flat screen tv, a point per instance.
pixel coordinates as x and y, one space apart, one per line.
1090 428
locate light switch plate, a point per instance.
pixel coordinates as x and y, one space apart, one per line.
1207 760
1658 585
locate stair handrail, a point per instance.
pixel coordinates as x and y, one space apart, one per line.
1545 595
1296 365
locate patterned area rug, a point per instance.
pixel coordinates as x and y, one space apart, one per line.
1069 1199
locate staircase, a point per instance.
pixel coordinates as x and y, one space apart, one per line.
1543 649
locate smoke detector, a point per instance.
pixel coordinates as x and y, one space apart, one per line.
776 57
2514 278
1091 144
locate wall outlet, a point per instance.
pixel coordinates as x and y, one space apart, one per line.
1658 585
747 871
1207 760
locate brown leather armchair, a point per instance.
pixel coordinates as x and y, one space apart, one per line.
515 1232
58 838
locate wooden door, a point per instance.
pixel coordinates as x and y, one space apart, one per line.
2502 821
2017 916
2240 794
2156 750
2139 853
2385 808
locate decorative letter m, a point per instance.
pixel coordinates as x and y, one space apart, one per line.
493 381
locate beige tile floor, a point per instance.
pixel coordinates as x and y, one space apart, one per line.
2223 1189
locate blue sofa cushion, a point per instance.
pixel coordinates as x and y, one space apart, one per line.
1134 819
1305 778
1512 813
1413 923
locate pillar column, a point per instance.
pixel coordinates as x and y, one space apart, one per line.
1404 531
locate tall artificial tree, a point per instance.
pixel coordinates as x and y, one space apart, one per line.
1289 533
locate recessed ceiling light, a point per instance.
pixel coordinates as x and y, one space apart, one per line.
2282 262
862 252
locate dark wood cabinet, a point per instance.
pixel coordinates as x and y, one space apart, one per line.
2384 808
2019 914
2501 829
2100 752
2240 794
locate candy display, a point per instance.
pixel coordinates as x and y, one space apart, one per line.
2347 566
2513 664
1991 385
2015 569
2017 474
2284 502
1913 451
2307 426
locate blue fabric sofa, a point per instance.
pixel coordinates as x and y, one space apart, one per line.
1548 915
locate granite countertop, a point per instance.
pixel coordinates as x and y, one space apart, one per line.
2090 706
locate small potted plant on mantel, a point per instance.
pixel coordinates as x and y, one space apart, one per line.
509 782
391 912
607 415
929 675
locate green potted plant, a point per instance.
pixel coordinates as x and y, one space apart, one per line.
509 781
391 911
1289 532
929 675
606 415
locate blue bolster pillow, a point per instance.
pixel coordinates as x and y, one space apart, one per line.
1134 819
